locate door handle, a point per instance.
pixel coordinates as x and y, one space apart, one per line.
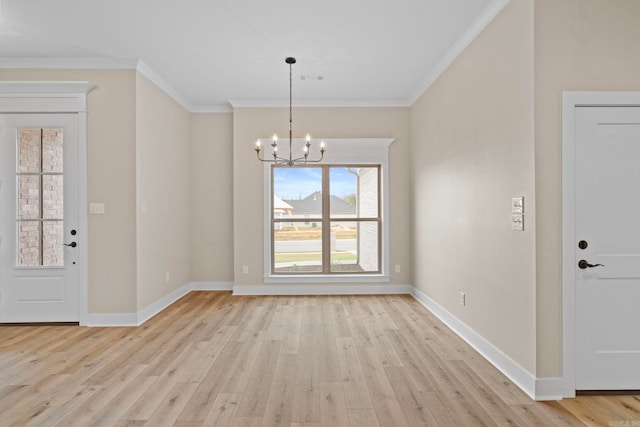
72 244
584 264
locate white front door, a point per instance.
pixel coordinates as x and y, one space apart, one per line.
39 218
607 248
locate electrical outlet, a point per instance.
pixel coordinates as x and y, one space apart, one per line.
167 277
463 299
245 269
397 268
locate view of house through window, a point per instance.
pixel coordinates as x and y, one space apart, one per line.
326 220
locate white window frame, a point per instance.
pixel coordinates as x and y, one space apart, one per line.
340 151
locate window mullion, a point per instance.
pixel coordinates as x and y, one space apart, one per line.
326 223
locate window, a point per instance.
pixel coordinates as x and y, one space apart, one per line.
341 246
326 220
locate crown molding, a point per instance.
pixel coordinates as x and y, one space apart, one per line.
211 109
29 87
112 64
70 63
319 103
488 14
156 79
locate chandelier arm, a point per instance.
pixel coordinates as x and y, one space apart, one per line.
276 160
315 161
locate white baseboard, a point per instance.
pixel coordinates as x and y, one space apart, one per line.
553 389
112 319
516 373
211 286
324 289
156 307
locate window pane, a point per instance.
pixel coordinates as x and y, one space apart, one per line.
52 197
354 192
28 150
298 249
52 249
28 196
28 243
52 150
297 192
354 247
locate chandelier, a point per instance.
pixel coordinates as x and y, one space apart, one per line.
290 161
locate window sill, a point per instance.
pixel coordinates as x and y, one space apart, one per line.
330 279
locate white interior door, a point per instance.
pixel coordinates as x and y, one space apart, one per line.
38 215
608 233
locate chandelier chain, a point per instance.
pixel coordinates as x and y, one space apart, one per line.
290 161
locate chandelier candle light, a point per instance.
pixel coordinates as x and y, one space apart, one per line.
278 160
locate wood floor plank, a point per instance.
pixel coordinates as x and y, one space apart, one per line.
410 397
333 407
306 398
254 401
355 386
98 402
362 418
543 414
385 403
247 422
279 407
212 358
198 406
173 405
293 327
477 389
223 410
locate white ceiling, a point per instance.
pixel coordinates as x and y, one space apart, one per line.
216 52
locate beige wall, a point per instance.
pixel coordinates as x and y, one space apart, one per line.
211 208
584 45
162 187
111 179
252 123
472 150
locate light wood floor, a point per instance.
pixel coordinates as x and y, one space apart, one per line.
218 360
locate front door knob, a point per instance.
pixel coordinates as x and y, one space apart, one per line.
72 244
582 264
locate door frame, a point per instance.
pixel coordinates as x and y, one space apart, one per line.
571 101
60 97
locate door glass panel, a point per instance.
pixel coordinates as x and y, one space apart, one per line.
28 196
52 150
29 243
52 249
40 197
52 197
29 150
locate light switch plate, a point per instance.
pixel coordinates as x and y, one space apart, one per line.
517 222
96 208
517 205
